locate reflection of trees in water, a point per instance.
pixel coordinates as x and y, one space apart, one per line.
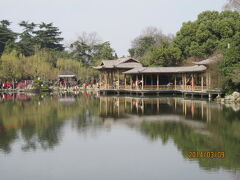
87 122
39 121
45 138
7 137
188 140
220 132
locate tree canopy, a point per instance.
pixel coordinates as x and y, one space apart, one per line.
6 35
88 49
211 32
38 51
153 48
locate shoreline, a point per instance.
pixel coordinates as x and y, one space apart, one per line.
232 99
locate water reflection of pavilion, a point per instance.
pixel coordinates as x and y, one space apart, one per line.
118 107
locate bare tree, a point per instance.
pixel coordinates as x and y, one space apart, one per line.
90 38
232 5
153 32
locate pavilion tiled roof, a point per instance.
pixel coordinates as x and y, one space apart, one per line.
66 74
181 69
126 63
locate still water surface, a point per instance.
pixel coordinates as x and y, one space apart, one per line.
90 137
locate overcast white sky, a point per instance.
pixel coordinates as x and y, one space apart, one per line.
117 21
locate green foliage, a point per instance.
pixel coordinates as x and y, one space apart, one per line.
11 67
103 51
39 65
212 31
40 120
37 84
143 44
6 35
26 44
153 48
230 66
43 64
48 36
82 71
38 53
187 140
149 38
231 69
40 85
43 36
91 53
164 55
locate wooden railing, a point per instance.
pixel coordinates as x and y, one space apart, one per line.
159 87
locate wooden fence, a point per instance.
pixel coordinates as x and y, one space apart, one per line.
155 87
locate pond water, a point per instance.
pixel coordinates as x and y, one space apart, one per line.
87 136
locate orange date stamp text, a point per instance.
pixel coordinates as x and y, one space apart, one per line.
210 155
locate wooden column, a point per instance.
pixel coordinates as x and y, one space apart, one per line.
118 85
209 80
185 81
202 81
157 81
142 81
182 81
105 74
111 80
137 81
192 81
175 82
113 76
207 83
100 79
125 81
131 81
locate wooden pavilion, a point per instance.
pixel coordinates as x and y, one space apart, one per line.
129 74
66 79
111 76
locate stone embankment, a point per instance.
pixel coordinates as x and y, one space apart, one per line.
230 99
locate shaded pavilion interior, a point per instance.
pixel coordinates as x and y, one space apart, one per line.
67 78
169 78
